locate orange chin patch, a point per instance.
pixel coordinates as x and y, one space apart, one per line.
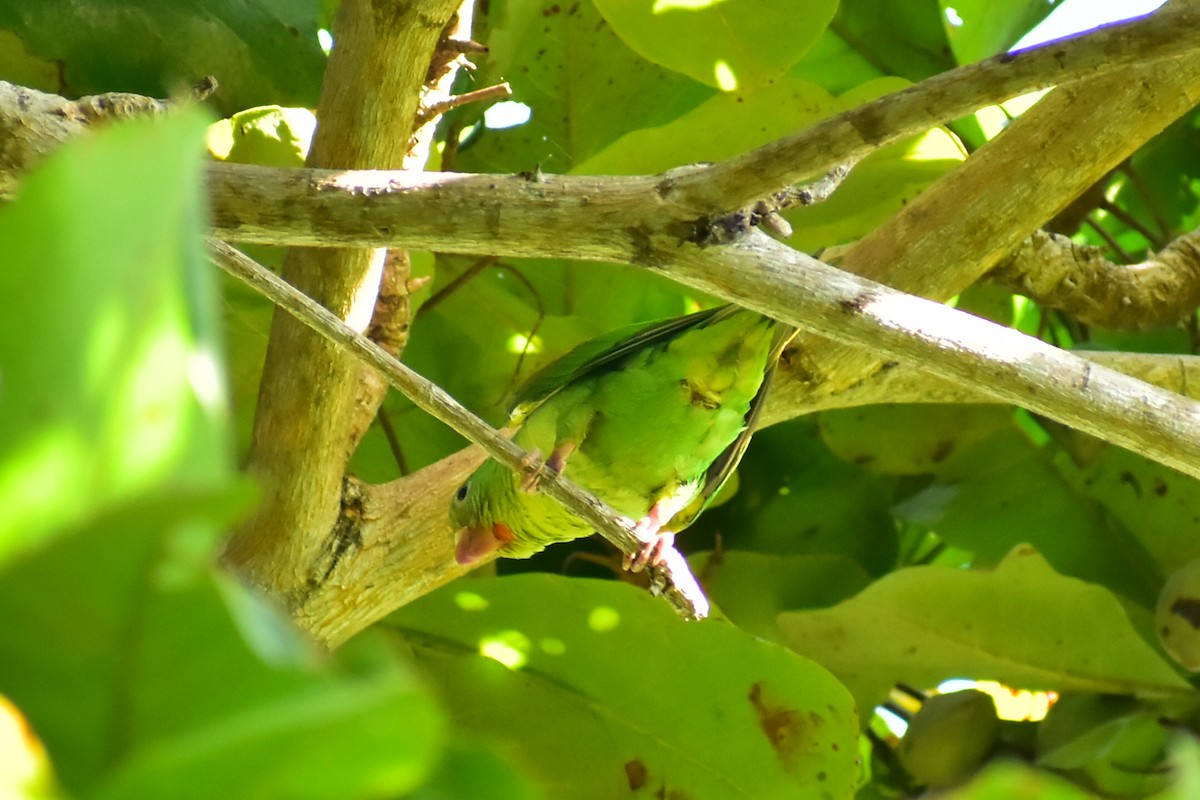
475 542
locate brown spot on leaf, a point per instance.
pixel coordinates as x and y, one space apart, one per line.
636 774
941 451
785 728
1129 478
1187 609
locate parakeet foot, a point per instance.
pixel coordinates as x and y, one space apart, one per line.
532 466
652 553
654 544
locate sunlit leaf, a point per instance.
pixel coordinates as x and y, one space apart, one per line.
727 44
1021 624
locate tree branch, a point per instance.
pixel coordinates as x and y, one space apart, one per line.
515 216
761 274
1167 33
304 425
1054 271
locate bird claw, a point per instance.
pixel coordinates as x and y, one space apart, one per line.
533 468
654 545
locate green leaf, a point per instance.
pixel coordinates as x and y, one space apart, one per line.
1022 624
1157 505
470 772
906 40
725 43
598 690
982 28
752 588
565 63
139 682
1012 780
796 498
260 53
731 123
271 136
993 489
112 376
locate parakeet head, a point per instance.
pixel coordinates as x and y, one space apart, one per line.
476 535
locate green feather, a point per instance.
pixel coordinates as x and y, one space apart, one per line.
652 419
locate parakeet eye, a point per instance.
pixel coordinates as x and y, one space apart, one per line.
461 494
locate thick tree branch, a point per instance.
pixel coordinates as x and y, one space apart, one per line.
544 215
304 426
1053 270
762 274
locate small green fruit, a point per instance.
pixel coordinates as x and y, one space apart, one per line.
1177 616
949 738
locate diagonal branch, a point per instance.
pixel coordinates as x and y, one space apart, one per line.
762 274
1168 33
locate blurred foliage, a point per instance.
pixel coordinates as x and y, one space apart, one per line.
858 551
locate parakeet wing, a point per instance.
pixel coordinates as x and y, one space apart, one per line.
604 352
719 471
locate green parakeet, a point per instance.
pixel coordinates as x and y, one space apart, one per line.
651 420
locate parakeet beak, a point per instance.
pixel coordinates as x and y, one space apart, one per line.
477 541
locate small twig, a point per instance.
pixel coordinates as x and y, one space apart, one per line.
674 579
389 433
1160 219
1129 221
450 288
500 91
1109 239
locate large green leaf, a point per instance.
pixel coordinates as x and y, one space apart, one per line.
993 489
1022 624
261 52
600 691
137 678
721 127
795 498
119 645
724 43
112 377
752 588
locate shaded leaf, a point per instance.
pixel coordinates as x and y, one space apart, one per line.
752 588
564 62
261 52
794 497
599 690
